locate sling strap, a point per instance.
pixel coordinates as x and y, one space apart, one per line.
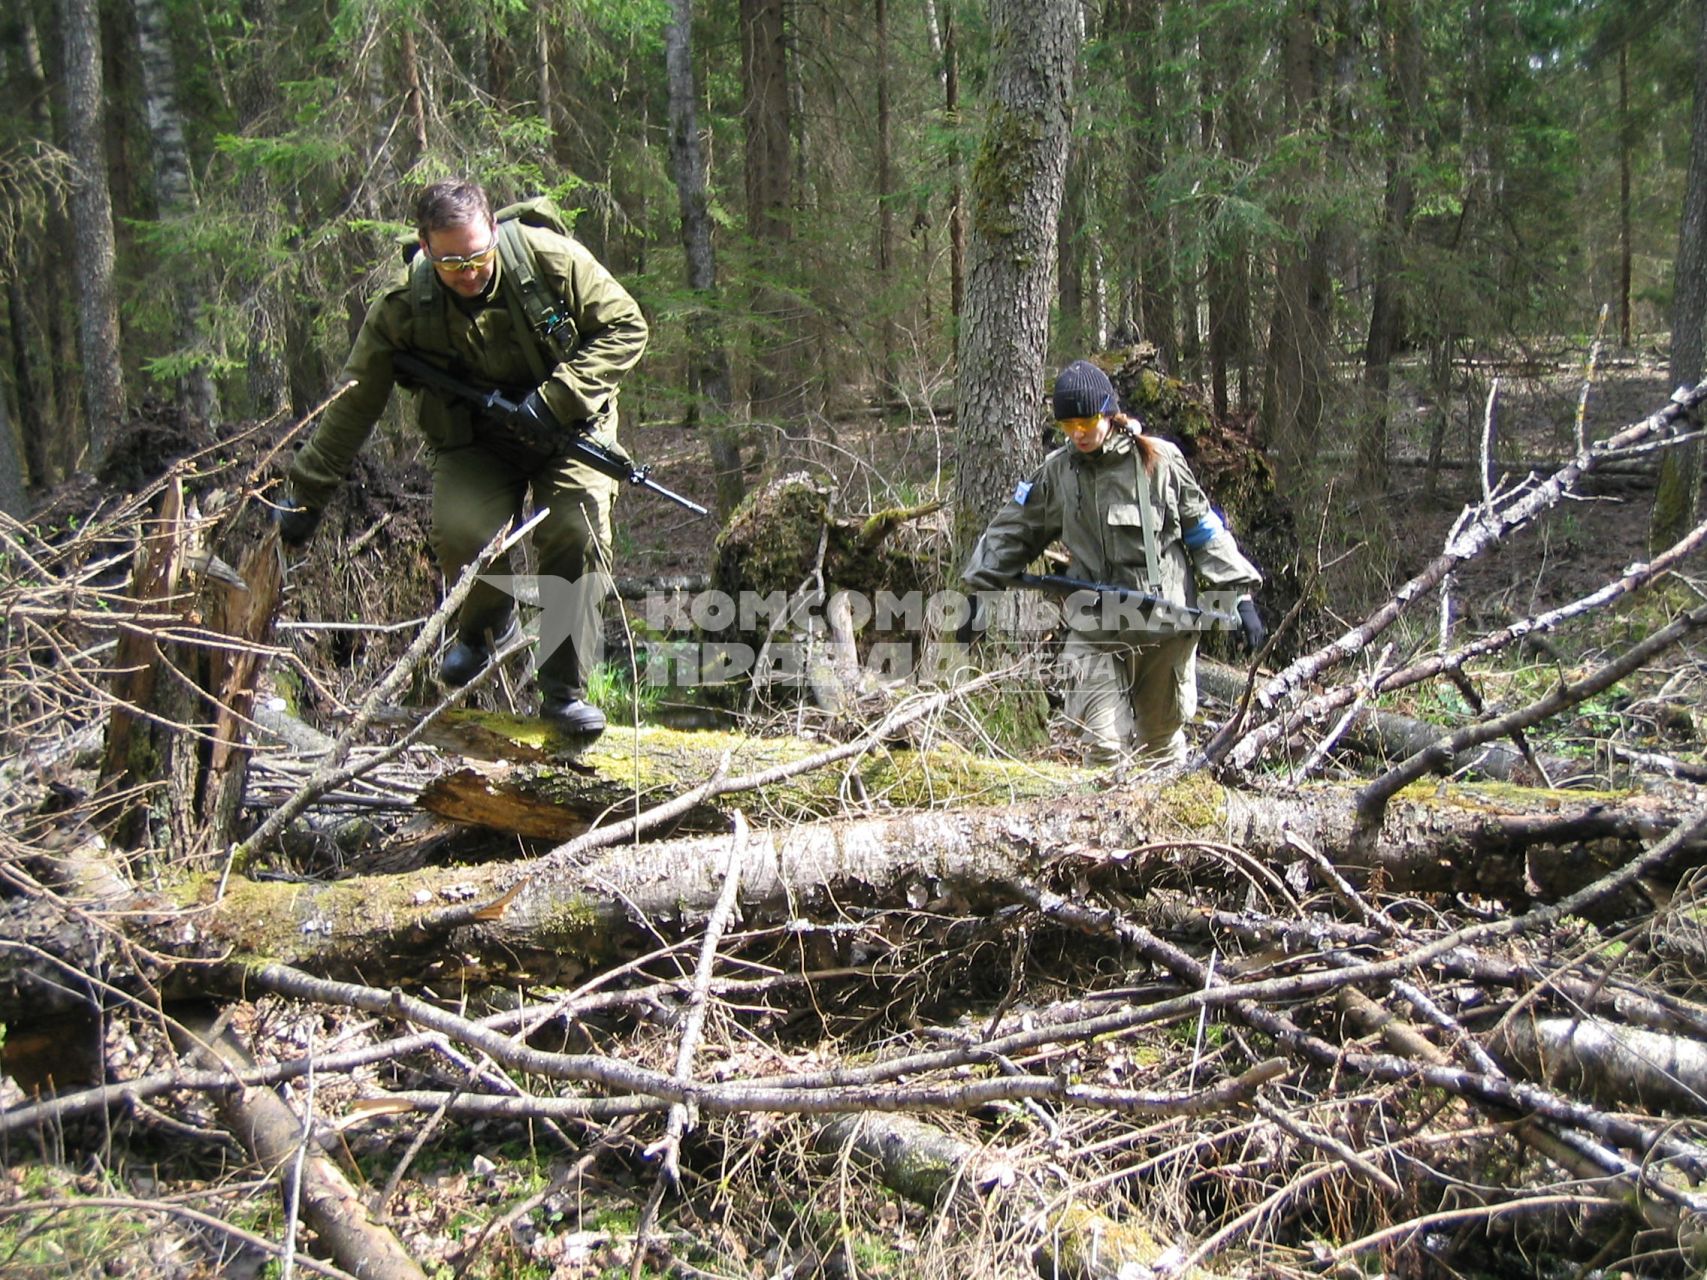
535 309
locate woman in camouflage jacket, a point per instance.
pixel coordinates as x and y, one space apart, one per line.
1131 515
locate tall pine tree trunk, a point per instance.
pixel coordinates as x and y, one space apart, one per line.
1295 373
1223 124
946 44
92 226
1402 42
889 373
1017 182
776 392
41 377
1148 237
268 381
708 361
1676 502
1626 144
174 193
11 464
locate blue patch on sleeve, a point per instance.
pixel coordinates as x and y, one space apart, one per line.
1022 492
1201 532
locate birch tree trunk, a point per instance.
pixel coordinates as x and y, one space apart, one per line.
92 226
1017 181
556 916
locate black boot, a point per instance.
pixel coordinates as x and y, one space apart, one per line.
572 715
467 658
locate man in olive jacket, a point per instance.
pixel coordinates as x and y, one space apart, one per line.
459 306
1130 514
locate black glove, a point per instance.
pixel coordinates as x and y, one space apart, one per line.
535 425
297 523
1251 621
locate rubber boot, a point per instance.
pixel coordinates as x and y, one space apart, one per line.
467 658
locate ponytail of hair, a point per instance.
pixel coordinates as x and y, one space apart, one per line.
1135 433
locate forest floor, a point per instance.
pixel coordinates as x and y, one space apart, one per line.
562 1202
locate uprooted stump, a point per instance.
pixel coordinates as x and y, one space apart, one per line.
788 553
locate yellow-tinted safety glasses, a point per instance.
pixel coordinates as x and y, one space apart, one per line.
1079 426
457 263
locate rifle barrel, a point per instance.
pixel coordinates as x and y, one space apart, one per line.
1058 584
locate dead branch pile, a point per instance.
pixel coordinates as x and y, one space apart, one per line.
1258 1025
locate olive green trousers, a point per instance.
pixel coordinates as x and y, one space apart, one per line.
476 489
1131 699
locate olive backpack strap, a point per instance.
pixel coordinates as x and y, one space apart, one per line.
543 312
1147 519
1146 493
426 302
522 294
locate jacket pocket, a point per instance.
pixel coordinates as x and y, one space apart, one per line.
1125 542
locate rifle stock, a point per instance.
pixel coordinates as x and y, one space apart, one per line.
497 409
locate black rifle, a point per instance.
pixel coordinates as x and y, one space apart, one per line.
505 414
1055 584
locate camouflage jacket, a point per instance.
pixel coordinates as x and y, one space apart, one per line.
1090 502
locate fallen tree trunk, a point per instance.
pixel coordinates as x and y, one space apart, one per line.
551 918
536 784
1609 1062
285 1150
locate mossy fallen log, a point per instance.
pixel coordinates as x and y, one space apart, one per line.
540 784
551 919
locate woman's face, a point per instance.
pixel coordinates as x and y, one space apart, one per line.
1087 434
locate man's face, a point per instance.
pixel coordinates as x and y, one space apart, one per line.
465 257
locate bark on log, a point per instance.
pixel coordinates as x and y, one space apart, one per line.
1612 1063
549 919
273 1134
534 789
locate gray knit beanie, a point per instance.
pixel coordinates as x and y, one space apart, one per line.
1084 391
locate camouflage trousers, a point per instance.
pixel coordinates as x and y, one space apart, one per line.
475 490
1131 700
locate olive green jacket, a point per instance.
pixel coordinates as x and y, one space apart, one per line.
606 336
1090 502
